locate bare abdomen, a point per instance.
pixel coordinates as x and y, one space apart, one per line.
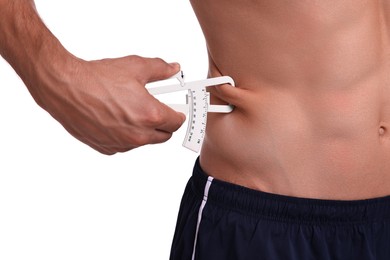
331 145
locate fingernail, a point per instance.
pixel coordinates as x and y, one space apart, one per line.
175 65
183 116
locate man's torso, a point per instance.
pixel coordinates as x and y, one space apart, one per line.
315 78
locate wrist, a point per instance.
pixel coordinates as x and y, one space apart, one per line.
31 49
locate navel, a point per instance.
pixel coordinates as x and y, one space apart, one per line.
382 131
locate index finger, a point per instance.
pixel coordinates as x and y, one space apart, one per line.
170 120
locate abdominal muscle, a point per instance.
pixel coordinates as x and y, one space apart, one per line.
333 146
312 116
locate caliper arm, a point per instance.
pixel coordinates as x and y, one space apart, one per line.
197 105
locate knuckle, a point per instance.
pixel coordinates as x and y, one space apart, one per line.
167 137
153 117
141 139
108 152
137 60
135 57
103 150
159 60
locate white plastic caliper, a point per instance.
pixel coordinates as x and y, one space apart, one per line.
197 105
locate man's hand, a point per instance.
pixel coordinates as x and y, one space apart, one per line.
102 103
105 104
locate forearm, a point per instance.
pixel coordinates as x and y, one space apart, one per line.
30 48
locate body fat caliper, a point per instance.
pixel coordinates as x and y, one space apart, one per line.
197 105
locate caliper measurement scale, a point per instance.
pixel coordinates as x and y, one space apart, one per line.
197 106
197 122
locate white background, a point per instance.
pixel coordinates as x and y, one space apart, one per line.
59 199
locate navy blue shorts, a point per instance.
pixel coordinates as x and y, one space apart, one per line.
222 221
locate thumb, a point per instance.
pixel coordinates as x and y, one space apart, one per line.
154 69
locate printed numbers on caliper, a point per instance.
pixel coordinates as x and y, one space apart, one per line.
197 106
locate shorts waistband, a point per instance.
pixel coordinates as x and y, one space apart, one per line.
286 208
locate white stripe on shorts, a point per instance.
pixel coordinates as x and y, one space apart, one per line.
204 201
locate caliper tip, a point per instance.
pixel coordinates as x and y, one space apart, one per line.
180 77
